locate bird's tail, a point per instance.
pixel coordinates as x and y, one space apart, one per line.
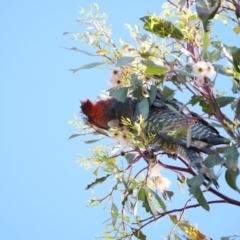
196 161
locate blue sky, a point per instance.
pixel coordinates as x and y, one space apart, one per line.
42 187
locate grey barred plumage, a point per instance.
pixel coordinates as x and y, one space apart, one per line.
165 120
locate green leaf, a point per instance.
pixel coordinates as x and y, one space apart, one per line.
195 99
231 154
197 193
238 110
213 160
167 93
196 180
224 101
206 11
226 238
138 234
143 38
159 200
206 108
75 135
146 55
231 178
221 69
101 131
143 107
153 68
130 192
161 27
206 41
192 232
236 29
184 73
207 56
120 94
236 60
234 104
130 157
91 141
137 93
152 208
97 181
216 55
87 66
134 80
81 51
124 60
153 93
114 214
168 195
142 196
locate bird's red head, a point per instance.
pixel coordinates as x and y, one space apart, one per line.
99 113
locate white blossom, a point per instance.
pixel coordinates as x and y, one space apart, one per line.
203 69
147 79
155 170
115 82
123 138
162 183
116 79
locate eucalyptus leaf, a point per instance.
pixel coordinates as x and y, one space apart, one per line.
216 54
91 141
196 180
185 73
80 50
159 200
137 93
142 196
130 157
124 60
143 107
151 206
236 60
87 66
203 202
231 178
231 154
221 69
167 93
138 234
195 99
213 160
75 135
161 27
206 11
224 101
153 68
114 214
197 193
206 41
97 181
120 94
134 80
238 110
153 94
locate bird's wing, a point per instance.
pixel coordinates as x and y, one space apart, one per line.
166 124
